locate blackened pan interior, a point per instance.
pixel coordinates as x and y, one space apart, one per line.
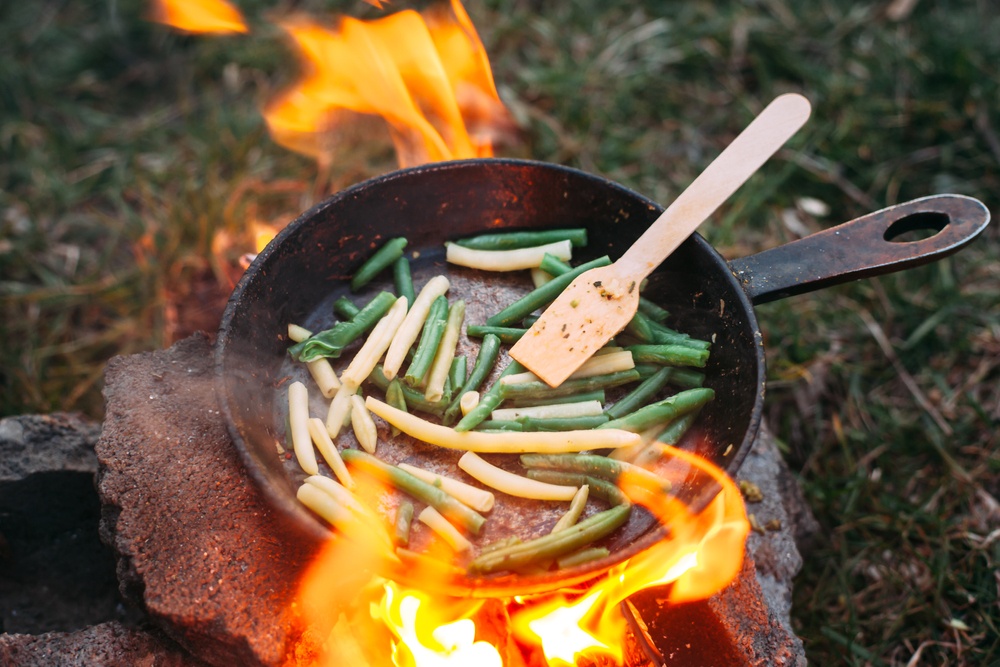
294 275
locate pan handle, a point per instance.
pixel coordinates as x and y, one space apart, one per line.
864 247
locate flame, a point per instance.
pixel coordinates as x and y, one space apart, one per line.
704 551
425 640
200 16
425 74
420 72
564 628
702 554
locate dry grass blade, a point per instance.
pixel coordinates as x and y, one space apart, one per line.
883 342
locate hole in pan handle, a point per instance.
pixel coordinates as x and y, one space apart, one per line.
874 244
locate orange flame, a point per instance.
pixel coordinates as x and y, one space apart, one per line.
425 639
702 554
566 629
421 73
426 74
200 16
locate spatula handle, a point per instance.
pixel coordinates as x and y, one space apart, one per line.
766 134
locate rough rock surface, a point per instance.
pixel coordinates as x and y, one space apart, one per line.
55 574
749 622
783 522
46 443
107 644
198 548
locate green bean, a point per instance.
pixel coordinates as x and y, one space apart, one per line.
676 429
414 398
686 378
663 335
390 251
582 557
404 518
489 400
668 355
641 394
345 309
489 350
403 279
505 334
552 545
500 544
499 425
438 375
541 295
652 310
512 240
395 397
598 466
599 488
459 369
562 423
330 343
452 509
487 403
554 266
430 338
662 411
639 326
538 389
596 395
576 507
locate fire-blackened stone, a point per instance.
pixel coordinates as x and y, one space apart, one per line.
198 548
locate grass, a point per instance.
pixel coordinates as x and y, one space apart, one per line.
126 148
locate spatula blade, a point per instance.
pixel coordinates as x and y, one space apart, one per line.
599 303
585 316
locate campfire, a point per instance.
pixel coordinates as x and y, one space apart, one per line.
427 76
218 569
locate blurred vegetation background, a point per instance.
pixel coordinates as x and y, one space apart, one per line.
130 153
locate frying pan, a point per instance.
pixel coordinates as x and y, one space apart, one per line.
298 276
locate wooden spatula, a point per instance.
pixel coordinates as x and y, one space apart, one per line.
599 303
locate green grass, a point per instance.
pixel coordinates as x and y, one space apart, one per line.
125 148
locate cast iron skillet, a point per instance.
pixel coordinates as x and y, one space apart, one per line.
297 276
